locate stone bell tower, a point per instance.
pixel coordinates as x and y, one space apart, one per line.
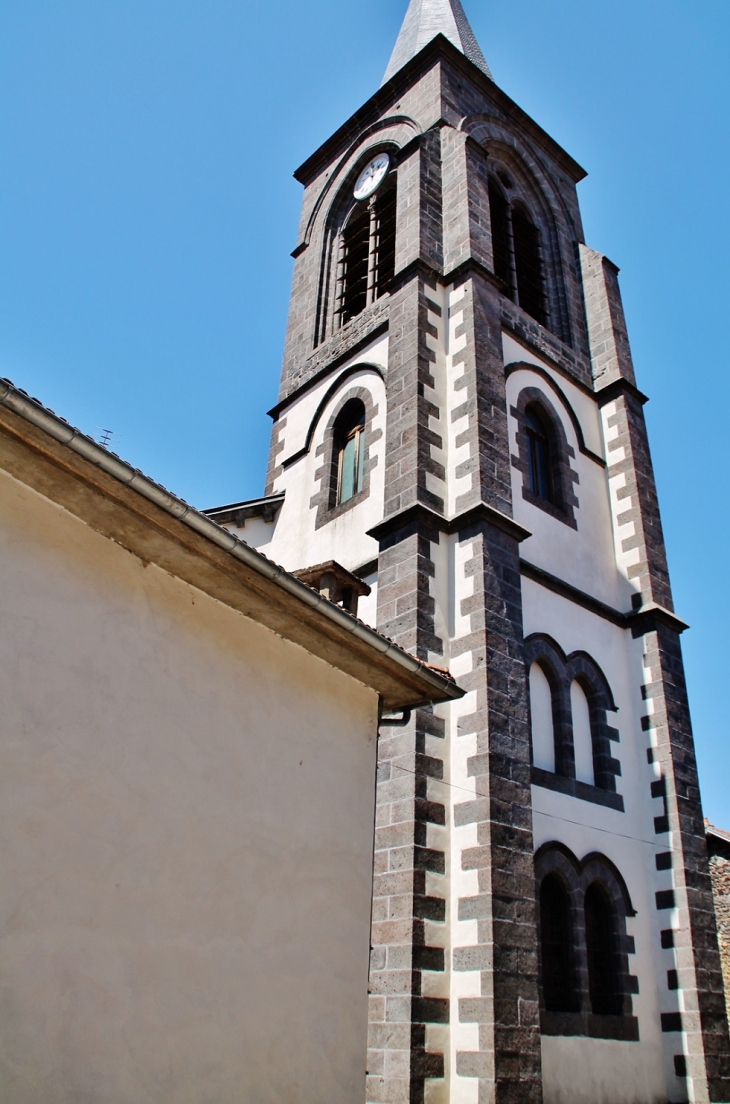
459 440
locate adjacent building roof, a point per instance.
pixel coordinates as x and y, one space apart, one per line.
424 20
118 501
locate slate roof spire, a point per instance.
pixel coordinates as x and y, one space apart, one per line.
424 20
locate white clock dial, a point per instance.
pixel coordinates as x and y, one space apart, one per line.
372 176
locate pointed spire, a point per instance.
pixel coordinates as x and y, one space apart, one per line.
424 20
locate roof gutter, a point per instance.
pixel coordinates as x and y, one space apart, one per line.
32 411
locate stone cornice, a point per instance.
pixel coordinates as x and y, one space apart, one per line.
422 516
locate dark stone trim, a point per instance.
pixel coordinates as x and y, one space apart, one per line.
564 476
566 590
639 621
524 366
326 399
561 671
325 500
555 859
523 339
617 388
422 516
646 620
581 790
623 1028
554 847
671 1021
368 339
665 899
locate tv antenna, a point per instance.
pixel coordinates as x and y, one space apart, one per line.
106 437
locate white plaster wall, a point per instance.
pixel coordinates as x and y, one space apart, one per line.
293 540
584 557
186 825
605 1071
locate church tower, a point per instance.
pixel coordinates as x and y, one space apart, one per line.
459 451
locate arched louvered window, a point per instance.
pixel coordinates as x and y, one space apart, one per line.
349 441
367 263
556 944
539 452
516 253
528 263
501 234
602 951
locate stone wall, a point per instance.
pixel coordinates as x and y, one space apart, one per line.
720 873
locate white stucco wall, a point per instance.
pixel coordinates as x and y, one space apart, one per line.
598 1070
292 539
186 825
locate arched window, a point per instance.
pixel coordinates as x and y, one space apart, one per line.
528 264
603 987
582 734
367 251
349 450
516 253
501 236
539 455
556 943
541 714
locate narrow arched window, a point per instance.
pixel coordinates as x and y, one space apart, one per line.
516 252
582 734
528 263
539 453
603 982
349 450
556 944
541 716
368 251
501 236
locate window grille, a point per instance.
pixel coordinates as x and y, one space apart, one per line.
516 253
367 252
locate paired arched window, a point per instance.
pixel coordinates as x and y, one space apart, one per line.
367 252
585 987
571 738
349 450
516 252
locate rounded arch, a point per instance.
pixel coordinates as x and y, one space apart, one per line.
347 373
333 308
394 132
527 179
536 369
561 671
585 879
326 500
564 501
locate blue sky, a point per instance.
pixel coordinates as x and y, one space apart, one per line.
147 212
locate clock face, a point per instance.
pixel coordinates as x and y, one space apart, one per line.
372 176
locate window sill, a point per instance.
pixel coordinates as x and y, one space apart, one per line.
566 517
586 1025
573 788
